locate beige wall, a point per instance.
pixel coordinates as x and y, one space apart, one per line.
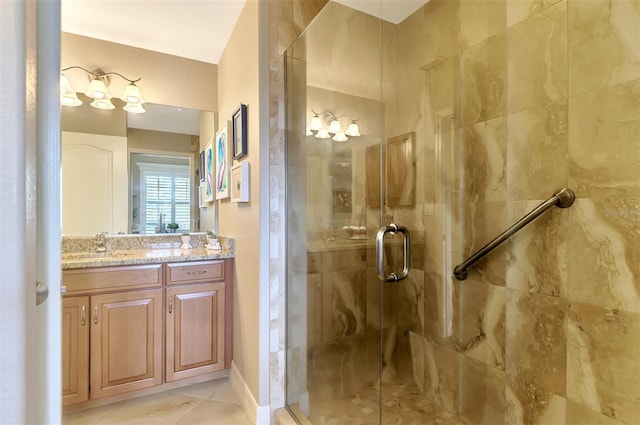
158 141
238 82
166 79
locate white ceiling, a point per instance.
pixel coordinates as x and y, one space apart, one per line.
193 29
394 11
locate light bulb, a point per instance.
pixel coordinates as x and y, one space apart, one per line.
340 137
134 108
335 127
353 130
132 95
70 99
315 124
102 104
97 90
323 133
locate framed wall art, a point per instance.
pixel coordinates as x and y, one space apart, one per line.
240 182
201 170
209 186
223 162
240 132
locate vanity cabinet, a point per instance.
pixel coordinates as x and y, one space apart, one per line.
75 350
126 342
196 319
112 334
128 328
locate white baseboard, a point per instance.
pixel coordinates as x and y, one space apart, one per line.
258 415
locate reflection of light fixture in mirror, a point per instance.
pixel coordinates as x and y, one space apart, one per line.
317 127
323 133
353 130
340 137
98 91
68 95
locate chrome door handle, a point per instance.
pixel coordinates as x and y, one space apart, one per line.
42 292
406 263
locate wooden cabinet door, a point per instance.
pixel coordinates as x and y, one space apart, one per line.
75 350
126 342
195 330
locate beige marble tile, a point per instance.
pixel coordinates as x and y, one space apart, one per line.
603 372
539 409
442 375
536 348
442 82
537 60
304 12
480 152
482 397
477 224
217 390
161 408
538 253
482 90
285 33
208 410
603 43
537 151
604 252
580 415
442 26
410 300
343 304
438 309
479 321
480 19
518 11
604 153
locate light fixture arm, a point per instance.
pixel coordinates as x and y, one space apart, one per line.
332 116
101 74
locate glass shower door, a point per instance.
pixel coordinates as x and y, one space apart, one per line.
334 309
354 310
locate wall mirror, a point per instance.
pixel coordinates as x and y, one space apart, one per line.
130 173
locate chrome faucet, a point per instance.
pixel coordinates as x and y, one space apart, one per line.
101 242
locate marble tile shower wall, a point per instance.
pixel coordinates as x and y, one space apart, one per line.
511 100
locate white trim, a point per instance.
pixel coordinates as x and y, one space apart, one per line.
258 415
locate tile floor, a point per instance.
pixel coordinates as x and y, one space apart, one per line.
213 403
403 404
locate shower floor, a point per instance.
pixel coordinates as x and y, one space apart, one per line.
402 404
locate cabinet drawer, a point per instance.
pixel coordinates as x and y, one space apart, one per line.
102 279
197 271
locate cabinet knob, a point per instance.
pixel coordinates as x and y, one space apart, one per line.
83 316
170 304
95 314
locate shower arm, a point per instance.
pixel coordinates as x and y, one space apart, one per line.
563 198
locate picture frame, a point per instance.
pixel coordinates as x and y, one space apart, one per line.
201 170
201 201
400 172
209 169
240 182
223 163
239 121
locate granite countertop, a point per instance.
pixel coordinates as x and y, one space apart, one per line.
74 260
79 252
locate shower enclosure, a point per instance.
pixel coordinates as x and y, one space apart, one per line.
468 114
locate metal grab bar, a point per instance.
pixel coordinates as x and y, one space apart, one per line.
563 198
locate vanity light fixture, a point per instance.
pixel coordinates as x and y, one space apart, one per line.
98 91
334 131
